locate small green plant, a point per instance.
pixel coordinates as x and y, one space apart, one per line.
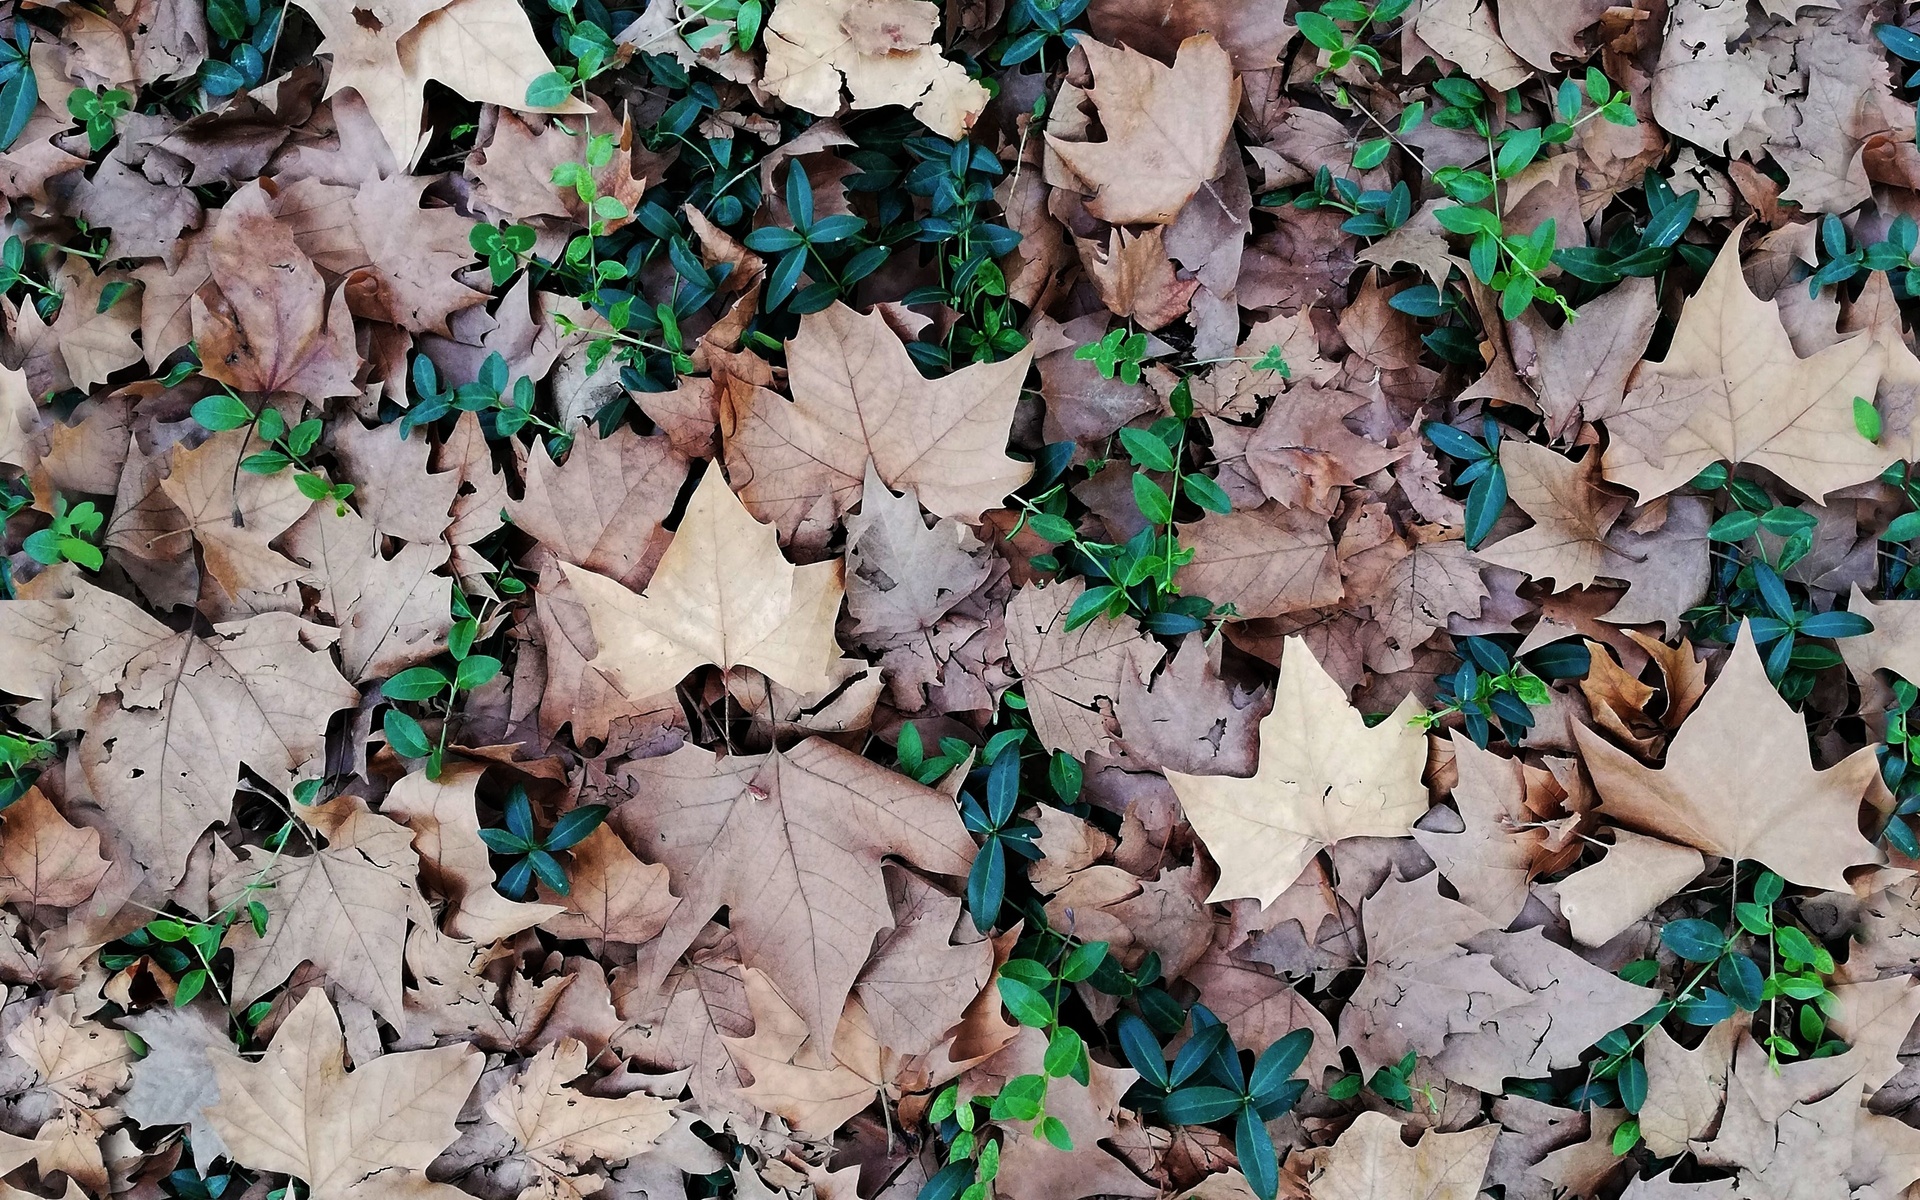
1001 833
1749 585
244 34
504 409
1032 25
1120 353
288 446
1492 690
503 248
1640 251
1371 213
1032 990
1137 575
98 112
1791 989
587 41
1392 1083
1206 1084
1896 770
803 241
69 538
1485 481
535 856
427 685
21 759
19 90
1344 46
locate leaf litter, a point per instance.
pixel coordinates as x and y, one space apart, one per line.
821 599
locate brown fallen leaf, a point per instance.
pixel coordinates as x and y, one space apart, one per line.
801 834
264 322
1266 562
883 52
1165 127
368 1133
615 896
343 908
1739 782
1324 775
1492 861
74 1063
603 508
43 858
858 398
483 49
1370 1161
453 860
1073 677
722 594
1732 388
556 1128
1638 874
163 761
816 1089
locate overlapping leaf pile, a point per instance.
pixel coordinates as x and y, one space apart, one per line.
1052 598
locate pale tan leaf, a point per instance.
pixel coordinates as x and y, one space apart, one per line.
368 1134
1323 776
722 594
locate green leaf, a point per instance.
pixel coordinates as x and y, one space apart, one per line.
1083 961
1795 946
475 671
1154 503
1371 153
417 683
1464 220
1064 773
549 91
1065 1053
1205 493
1026 1003
1021 1098
1736 526
1626 1136
1693 939
221 412
404 735
1054 1132
190 985
1319 30
1146 450
1866 418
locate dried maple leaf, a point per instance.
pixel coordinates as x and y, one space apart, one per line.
175 1082
1371 1162
1638 874
264 323
76 1063
343 908
1492 860
365 1134
1135 278
163 761
858 398
387 50
1266 562
1323 776
792 842
1583 366
44 859
66 642
815 1097
1732 388
454 861
1073 677
1165 127
903 577
1301 451
918 984
724 595
882 50
95 337
556 1128
615 896
1571 515
393 613
1739 782
603 508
